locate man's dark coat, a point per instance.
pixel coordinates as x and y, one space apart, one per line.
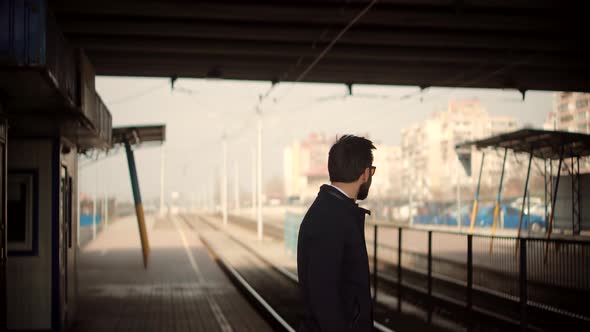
333 266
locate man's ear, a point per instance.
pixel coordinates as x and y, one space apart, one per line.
365 175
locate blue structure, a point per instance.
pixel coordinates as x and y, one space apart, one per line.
485 218
291 231
88 220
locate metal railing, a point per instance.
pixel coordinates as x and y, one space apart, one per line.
515 280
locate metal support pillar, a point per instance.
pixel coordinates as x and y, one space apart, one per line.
399 269
523 284
430 305
498 201
576 215
545 183
475 201
524 198
551 186
553 199
528 209
138 205
469 301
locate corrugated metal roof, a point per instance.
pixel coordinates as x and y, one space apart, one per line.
543 144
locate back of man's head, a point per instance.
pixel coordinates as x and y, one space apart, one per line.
349 157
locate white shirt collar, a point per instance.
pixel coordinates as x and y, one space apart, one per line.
342 191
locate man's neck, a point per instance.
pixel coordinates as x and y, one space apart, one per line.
350 189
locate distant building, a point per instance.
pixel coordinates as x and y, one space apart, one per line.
431 167
305 168
571 112
387 182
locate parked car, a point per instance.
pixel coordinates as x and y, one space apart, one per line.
509 218
450 215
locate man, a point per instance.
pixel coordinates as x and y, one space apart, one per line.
332 259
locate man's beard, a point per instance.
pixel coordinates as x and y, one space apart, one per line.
364 189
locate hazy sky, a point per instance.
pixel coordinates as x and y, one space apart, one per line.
198 112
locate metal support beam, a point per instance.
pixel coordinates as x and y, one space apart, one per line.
523 284
524 198
545 183
498 201
399 269
469 295
576 215
553 200
430 304
475 201
138 205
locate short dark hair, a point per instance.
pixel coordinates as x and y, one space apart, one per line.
349 157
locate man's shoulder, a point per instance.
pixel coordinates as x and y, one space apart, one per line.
323 209
323 215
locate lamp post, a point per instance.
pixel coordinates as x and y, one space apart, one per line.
259 187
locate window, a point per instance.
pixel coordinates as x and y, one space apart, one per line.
21 211
562 107
17 212
581 103
566 118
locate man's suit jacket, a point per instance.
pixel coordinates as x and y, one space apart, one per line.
333 265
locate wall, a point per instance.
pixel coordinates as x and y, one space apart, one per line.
70 160
32 293
29 277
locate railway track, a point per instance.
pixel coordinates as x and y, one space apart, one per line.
491 309
270 229
274 290
273 294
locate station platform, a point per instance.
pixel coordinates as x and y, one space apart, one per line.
183 289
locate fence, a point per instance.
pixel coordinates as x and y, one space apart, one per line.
515 279
527 280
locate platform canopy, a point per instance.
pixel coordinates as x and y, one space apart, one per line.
543 144
520 44
139 134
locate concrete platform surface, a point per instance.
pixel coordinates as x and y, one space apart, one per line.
182 289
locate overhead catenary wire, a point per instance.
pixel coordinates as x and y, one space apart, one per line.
136 95
327 49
